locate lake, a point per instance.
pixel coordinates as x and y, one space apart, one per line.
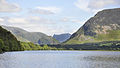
60 59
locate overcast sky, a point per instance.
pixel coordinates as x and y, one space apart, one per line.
51 16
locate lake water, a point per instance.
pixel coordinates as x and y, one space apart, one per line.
60 59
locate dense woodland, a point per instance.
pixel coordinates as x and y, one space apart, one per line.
8 42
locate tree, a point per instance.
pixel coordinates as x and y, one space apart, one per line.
45 47
1 45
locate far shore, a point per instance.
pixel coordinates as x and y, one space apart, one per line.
61 50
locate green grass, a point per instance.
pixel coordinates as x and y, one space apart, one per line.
113 35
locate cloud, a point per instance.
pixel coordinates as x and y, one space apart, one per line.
8 7
98 4
95 5
1 20
41 20
77 21
45 10
33 24
82 4
48 26
17 20
72 19
65 19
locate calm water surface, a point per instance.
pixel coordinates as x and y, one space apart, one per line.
60 59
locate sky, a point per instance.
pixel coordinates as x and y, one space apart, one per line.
51 16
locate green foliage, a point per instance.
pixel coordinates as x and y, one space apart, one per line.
46 47
31 46
1 45
106 44
71 49
8 42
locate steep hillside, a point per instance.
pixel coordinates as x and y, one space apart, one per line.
35 37
8 42
104 26
62 37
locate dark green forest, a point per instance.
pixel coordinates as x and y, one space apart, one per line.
8 42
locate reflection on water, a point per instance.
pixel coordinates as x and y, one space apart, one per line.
60 59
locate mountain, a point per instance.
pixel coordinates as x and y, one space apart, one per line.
104 26
62 37
35 37
8 42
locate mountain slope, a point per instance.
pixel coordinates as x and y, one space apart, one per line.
104 26
35 37
8 42
62 37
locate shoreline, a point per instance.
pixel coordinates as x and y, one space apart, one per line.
63 50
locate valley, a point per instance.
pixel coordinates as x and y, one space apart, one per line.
101 32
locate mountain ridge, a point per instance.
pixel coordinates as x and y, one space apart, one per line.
104 26
35 37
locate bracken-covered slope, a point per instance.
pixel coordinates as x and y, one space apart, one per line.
35 37
104 26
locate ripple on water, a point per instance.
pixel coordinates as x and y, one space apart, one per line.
60 59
